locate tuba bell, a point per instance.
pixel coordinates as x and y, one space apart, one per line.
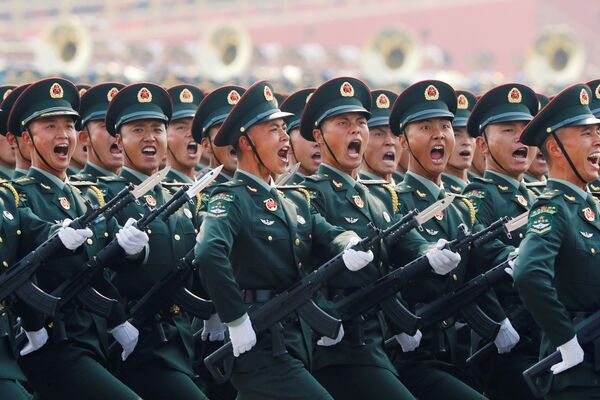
391 56
226 52
556 58
65 48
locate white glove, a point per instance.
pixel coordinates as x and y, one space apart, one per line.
407 342
354 259
73 238
213 329
572 354
131 239
127 336
442 260
507 337
35 340
326 342
512 257
243 337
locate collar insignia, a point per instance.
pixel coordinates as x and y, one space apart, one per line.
421 194
358 201
522 200
589 214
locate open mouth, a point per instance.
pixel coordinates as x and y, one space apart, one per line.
465 153
114 149
84 148
192 148
437 153
62 149
520 153
316 156
354 148
149 151
593 159
389 156
283 153
232 153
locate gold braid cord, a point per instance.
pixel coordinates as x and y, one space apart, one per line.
394 195
198 203
306 193
471 209
12 190
99 195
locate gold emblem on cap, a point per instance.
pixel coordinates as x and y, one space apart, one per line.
431 93
144 95
308 98
583 97
596 92
514 96
268 93
186 96
233 97
111 93
382 101
6 94
82 91
56 91
462 102
347 90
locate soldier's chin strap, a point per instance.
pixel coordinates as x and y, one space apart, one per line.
94 149
255 151
492 154
213 150
20 152
329 148
40 154
564 151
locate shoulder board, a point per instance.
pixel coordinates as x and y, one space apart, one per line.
81 183
403 187
316 177
482 179
112 179
374 182
26 180
175 184
12 190
549 194
284 187
232 183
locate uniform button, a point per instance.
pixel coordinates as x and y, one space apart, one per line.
454 277
297 242
4 264
105 234
196 230
149 231
18 231
299 265
310 235
269 238
593 250
90 242
177 237
521 235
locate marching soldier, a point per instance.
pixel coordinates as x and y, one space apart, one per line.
456 176
80 155
497 121
182 150
255 243
336 117
305 152
22 149
380 158
402 166
44 116
535 177
595 107
161 366
104 158
556 272
7 152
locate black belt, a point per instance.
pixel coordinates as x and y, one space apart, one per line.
252 296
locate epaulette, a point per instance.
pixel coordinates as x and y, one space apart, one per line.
232 183
99 195
471 208
549 194
81 183
115 178
374 181
198 203
26 180
404 188
12 190
482 179
394 196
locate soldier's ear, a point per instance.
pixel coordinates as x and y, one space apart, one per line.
481 144
26 135
318 135
403 141
119 138
83 137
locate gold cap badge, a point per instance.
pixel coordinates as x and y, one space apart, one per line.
382 101
347 90
144 95
56 91
462 102
111 93
514 96
233 97
431 93
268 93
82 91
186 96
6 94
596 92
583 97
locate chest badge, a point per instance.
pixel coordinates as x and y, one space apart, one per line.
586 235
439 216
271 204
358 201
267 222
300 219
187 212
351 220
150 200
8 215
64 203
589 214
432 232
386 216
522 200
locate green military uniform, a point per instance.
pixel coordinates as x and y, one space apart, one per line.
5 172
556 272
156 369
595 107
453 184
494 196
351 205
254 243
5 107
73 365
537 187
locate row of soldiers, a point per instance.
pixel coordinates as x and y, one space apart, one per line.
366 158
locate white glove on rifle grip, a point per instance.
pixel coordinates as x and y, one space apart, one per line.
326 341
127 335
35 341
131 239
242 336
507 337
407 342
355 260
73 238
213 329
572 355
442 260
